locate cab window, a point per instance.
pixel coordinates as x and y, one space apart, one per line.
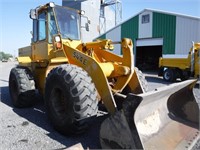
34 39
52 28
41 26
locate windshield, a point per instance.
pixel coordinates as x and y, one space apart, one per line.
68 23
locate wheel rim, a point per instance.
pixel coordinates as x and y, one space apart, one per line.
167 75
58 103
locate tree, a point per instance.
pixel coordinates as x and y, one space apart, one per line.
4 56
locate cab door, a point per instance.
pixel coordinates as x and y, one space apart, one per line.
40 38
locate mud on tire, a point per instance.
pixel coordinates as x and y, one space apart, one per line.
70 98
22 87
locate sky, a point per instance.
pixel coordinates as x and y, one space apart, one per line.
15 24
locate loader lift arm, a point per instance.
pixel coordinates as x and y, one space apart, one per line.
99 68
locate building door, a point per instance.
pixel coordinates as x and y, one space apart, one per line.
147 53
147 57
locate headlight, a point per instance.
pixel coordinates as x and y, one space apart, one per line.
57 39
51 4
57 42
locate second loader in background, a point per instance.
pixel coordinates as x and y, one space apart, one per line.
73 77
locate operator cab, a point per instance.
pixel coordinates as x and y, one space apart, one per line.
53 25
51 19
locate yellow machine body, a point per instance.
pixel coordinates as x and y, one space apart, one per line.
111 75
93 57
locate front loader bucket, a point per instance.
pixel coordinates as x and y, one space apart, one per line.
167 118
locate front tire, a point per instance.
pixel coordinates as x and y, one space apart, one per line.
21 87
70 98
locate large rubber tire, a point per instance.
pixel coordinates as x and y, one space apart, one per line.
70 98
22 87
169 75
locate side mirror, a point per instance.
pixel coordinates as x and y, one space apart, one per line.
33 14
82 14
31 32
87 27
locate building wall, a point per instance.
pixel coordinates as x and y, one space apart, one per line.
164 26
103 36
129 29
92 11
115 35
145 29
187 30
176 31
110 18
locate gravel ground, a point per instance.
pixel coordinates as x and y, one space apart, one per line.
29 128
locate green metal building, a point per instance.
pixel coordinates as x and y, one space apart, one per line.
156 33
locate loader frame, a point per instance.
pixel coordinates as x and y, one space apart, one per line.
93 57
73 77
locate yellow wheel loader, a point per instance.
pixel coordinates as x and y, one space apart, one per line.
74 77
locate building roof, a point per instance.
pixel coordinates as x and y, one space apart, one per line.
155 10
170 13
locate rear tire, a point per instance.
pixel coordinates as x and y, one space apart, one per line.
70 98
22 87
169 75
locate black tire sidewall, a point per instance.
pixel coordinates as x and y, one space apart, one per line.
57 82
66 78
24 94
14 88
